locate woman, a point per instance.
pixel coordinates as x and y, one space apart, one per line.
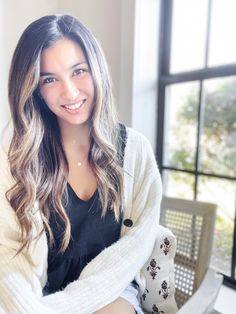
80 193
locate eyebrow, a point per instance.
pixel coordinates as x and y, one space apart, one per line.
72 67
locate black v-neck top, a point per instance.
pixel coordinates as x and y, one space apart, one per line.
90 234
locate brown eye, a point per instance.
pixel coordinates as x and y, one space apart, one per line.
48 80
79 72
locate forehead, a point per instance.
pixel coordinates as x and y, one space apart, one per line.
62 55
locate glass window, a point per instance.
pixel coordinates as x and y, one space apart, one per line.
178 184
218 148
188 35
197 114
222 48
182 102
222 193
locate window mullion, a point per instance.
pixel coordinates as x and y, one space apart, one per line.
199 132
233 264
165 36
208 32
164 69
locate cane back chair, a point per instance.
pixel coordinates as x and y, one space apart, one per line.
192 222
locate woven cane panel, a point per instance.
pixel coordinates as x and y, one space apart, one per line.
184 280
187 228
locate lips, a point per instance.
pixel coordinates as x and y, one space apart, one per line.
75 106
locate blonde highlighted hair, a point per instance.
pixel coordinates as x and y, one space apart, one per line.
37 160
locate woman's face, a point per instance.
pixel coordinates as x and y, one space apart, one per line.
66 84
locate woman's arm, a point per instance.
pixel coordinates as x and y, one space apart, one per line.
118 306
105 277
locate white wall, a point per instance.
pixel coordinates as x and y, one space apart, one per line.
15 15
103 18
128 33
3 71
145 74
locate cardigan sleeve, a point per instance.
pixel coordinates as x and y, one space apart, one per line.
106 276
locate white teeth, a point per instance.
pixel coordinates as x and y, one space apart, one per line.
74 106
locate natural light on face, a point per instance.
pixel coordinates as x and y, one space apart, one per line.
66 84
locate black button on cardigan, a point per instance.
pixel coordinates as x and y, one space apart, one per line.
128 222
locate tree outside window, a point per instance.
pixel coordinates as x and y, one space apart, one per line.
197 113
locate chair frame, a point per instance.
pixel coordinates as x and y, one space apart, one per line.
207 211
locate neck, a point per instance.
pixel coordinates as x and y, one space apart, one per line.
76 141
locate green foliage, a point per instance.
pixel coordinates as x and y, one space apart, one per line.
217 151
218 137
222 247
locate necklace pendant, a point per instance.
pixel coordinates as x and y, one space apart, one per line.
79 164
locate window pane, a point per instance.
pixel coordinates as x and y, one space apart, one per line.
181 125
222 193
178 184
218 142
222 48
188 35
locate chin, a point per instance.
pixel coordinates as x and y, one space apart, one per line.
73 122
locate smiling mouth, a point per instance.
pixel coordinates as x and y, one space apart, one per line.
75 106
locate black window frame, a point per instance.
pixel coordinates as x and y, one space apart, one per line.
166 79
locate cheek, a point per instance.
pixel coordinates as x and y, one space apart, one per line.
92 91
49 96
90 87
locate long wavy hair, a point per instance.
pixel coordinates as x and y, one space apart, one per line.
36 156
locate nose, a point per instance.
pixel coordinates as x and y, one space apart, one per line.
70 90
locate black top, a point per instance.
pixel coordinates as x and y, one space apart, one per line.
90 234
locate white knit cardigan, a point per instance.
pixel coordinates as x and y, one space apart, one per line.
23 276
